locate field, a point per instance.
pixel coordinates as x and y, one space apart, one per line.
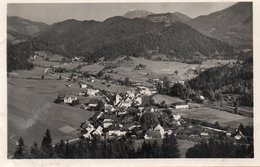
158 98
31 111
213 115
158 69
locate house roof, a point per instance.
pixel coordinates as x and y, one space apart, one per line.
153 133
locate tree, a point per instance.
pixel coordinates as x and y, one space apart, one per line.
34 151
127 82
20 152
46 145
169 148
176 72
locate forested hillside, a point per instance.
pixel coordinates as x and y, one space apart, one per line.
121 36
230 78
17 57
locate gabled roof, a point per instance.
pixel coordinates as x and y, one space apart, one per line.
153 133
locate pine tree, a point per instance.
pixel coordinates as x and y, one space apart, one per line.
169 148
34 151
20 152
46 146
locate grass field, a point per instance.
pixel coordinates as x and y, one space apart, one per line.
31 110
213 115
158 98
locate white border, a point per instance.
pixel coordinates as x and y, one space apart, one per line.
130 162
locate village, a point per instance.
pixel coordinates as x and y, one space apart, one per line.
134 113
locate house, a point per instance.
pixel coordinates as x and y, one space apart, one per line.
107 122
98 131
99 115
89 128
68 85
109 108
68 99
144 90
83 85
87 135
152 134
82 94
181 106
116 132
93 103
176 117
118 99
92 92
160 129
138 101
130 94
125 103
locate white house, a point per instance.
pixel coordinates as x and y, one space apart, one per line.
107 123
92 92
116 132
109 108
138 101
68 85
118 99
87 135
90 128
68 99
176 117
98 131
181 106
144 90
160 129
83 85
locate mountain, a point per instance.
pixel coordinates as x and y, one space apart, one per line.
122 36
17 57
168 18
136 13
232 25
20 29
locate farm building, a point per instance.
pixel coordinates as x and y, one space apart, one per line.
83 85
152 134
92 92
181 106
68 99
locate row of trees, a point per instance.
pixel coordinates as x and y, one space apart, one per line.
97 148
215 148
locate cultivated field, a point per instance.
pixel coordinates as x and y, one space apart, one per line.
213 115
31 110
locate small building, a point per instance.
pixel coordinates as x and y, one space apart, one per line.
152 134
98 131
181 106
107 122
109 108
160 129
93 103
92 92
68 85
68 99
83 85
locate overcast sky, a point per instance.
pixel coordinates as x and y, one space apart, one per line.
51 13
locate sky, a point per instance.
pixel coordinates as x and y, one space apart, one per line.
53 12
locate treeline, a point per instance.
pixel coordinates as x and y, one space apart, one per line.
227 79
216 148
17 57
214 82
97 148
